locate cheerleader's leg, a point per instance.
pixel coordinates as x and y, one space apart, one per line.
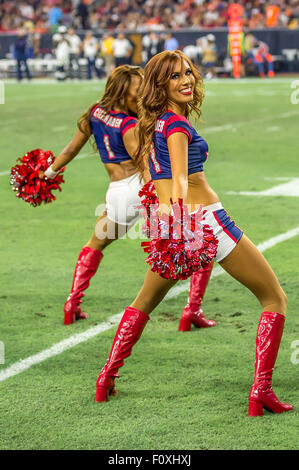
130 329
246 264
87 265
193 313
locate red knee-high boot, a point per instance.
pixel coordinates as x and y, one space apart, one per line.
193 313
87 265
128 333
268 338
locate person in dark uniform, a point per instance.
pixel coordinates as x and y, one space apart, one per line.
20 47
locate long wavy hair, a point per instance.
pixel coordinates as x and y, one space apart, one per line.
152 99
115 94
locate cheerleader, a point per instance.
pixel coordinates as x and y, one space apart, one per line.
111 121
172 89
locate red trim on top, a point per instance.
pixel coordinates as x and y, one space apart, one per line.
129 126
224 228
125 120
94 109
179 117
179 129
176 117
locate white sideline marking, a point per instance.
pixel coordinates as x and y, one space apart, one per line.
229 127
86 155
59 129
58 348
72 341
273 129
289 189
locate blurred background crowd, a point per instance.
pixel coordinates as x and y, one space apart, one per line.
88 38
42 16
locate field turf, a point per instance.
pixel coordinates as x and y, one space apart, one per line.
177 390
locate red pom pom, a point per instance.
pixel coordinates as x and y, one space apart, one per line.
180 243
25 180
149 204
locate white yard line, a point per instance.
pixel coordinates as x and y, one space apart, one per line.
59 128
59 348
227 127
86 155
73 340
288 189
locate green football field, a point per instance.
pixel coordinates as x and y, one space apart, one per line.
177 390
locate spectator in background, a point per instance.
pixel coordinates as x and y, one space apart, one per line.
209 56
194 52
20 51
62 52
107 52
155 45
90 50
36 44
293 22
258 51
94 20
122 49
143 15
272 16
145 42
82 13
30 42
55 15
256 19
171 43
75 49
26 10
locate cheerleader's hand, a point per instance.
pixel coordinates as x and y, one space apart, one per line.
41 175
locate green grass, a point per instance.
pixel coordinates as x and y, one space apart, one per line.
177 391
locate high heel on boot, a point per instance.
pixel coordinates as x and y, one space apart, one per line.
192 313
265 399
185 324
197 319
73 312
128 333
86 267
268 339
105 389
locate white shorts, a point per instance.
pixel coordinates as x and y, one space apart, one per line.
122 200
224 229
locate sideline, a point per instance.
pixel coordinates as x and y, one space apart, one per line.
72 341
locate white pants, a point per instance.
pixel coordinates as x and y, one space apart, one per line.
122 200
224 229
